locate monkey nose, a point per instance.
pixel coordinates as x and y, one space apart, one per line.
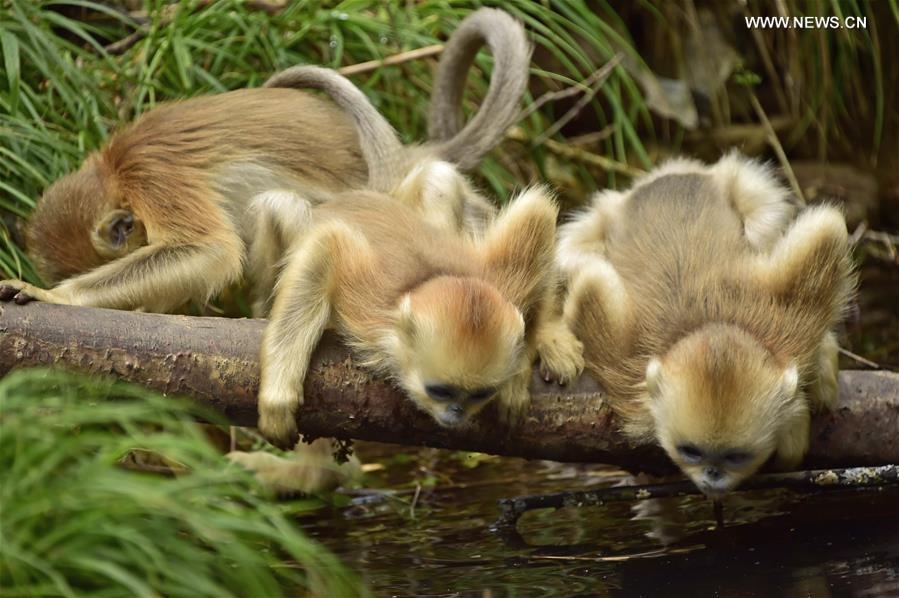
712 473
452 416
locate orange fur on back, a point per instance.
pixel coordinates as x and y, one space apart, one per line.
168 167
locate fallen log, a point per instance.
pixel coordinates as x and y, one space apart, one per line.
214 362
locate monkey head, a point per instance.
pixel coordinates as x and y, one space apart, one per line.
720 403
457 342
79 224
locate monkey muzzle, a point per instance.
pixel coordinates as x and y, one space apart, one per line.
452 417
713 481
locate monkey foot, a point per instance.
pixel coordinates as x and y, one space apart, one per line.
290 475
277 423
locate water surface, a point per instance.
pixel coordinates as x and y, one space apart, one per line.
431 535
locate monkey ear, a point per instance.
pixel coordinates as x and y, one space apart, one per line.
653 376
789 382
118 233
518 248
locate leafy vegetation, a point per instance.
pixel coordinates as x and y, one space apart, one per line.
75 521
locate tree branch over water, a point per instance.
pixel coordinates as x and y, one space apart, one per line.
214 362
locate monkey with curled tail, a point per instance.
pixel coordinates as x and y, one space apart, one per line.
160 215
179 204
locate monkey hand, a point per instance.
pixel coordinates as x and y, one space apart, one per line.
22 292
792 443
512 403
561 353
278 417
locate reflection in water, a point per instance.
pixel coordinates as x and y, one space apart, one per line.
776 543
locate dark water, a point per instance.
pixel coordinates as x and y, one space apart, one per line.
440 543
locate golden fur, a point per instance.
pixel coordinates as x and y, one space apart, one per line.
421 304
706 314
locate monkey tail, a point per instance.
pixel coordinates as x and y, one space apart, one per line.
511 51
383 151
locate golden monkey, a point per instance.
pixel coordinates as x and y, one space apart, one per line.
449 318
438 307
707 312
159 216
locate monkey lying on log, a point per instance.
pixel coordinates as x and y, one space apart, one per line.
161 215
214 361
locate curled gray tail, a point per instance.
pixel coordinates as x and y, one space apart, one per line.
506 39
384 153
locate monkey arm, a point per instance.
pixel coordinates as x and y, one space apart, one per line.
158 278
822 391
281 218
302 310
599 308
560 352
810 263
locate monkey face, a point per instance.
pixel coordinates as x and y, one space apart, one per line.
77 226
452 405
459 341
717 470
719 402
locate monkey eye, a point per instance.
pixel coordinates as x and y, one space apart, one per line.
482 394
690 453
442 392
736 458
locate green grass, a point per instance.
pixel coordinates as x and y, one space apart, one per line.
74 522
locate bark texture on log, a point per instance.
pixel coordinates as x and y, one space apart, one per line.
214 362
